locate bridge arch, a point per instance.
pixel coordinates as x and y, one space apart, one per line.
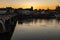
2 26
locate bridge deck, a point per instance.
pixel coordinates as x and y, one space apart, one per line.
7 16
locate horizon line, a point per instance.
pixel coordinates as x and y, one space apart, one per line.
33 7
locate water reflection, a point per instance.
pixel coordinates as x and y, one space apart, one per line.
39 21
37 29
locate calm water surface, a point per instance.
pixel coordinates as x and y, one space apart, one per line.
40 29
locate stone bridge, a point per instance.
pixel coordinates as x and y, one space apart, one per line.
6 21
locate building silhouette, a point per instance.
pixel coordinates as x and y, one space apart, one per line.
58 9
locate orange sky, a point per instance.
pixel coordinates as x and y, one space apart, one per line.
37 4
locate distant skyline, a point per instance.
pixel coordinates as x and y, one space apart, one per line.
37 4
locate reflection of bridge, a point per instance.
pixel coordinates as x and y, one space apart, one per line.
7 20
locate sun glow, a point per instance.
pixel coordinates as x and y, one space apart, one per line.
37 4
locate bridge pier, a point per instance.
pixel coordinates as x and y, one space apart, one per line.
9 23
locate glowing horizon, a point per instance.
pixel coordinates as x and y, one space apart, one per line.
37 4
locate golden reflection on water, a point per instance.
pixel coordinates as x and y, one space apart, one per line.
39 25
37 29
42 23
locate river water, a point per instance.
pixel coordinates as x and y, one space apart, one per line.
37 29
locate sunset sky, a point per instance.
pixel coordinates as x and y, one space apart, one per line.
37 4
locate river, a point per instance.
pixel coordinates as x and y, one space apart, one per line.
37 29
